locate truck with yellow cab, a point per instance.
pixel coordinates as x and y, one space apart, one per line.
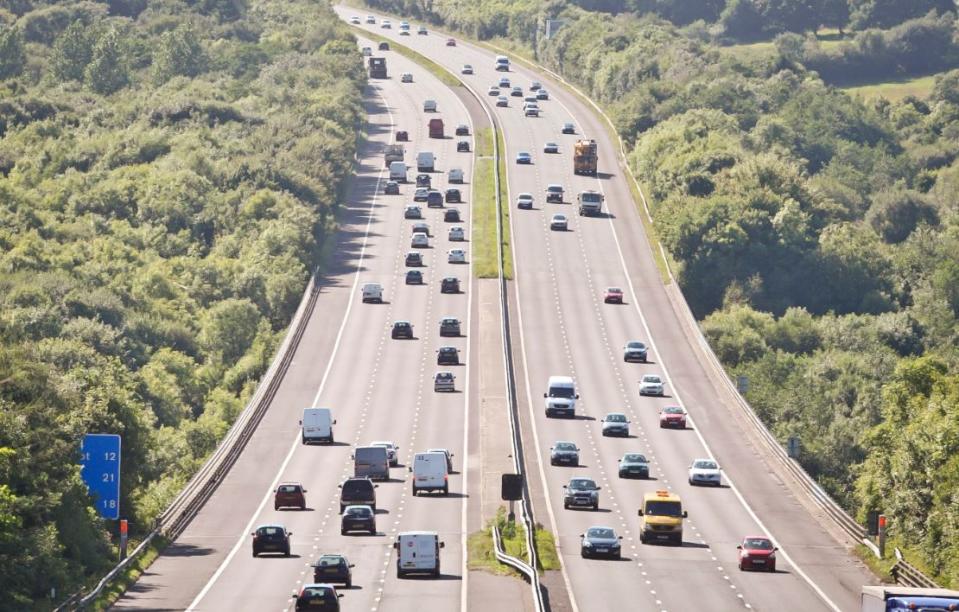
661 518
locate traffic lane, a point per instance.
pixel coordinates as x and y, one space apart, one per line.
181 571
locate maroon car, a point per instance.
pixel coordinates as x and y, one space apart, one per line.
289 495
402 136
757 553
613 295
672 416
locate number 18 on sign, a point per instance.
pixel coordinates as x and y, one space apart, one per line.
100 470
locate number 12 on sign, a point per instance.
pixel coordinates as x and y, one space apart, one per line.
100 470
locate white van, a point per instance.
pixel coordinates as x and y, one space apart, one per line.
455 175
372 292
430 473
398 171
371 462
418 552
561 396
502 63
425 161
317 425
429 106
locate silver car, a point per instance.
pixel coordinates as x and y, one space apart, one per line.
615 424
581 493
634 351
651 384
565 453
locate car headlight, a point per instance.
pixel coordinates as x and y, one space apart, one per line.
587 544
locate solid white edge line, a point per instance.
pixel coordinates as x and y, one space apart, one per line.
329 365
702 440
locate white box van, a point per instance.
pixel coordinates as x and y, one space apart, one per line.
418 552
429 106
560 396
372 292
371 462
398 171
317 425
425 161
430 473
455 175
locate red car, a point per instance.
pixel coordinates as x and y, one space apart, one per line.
402 136
614 295
450 42
289 494
757 553
672 416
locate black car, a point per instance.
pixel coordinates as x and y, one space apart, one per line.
423 180
357 492
569 128
453 196
462 130
450 284
449 326
392 188
448 355
333 569
384 46
451 215
434 199
414 259
600 542
414 277
318 597
463 146
271 538
402 329
358 518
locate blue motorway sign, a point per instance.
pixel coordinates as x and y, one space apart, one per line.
100 470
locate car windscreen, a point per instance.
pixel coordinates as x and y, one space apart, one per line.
565 446
600 532
358 512
564 392
664 508
705 465
269 531
634 458
289 489
758 544
582 484
329 561
615 418
652 379
636 345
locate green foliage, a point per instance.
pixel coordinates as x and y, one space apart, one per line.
887 13
12 55
107 71
153 247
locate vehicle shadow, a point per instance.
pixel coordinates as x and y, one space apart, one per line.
454 495
186 550
694 545
429 577
604 176
583 417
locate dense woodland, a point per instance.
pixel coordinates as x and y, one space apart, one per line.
815 235
169 171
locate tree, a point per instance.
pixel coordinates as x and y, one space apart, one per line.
895 214
887 13
835 14
107 71
72 52
179 53
229 327
12 55
742 20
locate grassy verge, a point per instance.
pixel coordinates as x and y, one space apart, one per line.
894 90
481 556
880 567
484 207
115 589
504 198
438 71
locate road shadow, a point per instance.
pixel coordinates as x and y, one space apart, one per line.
177 549
694 545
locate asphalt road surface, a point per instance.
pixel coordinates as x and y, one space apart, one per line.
566 329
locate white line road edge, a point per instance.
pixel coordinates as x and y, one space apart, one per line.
329 366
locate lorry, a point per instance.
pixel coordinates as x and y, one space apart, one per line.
377 67
590 203
585 157
436 128
393 153
886 598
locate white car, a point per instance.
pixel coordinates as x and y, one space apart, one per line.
467 69
421 228
524 200
386 24
391 450
559 223
412 211
406 77
651 384
705 471
504 82
367 51
457 234
492 91
355 20
420 241
456 256
502 101
370 19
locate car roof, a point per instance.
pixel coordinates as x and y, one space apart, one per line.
275 525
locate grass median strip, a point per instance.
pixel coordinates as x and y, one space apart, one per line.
438 71
485 252
481 555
